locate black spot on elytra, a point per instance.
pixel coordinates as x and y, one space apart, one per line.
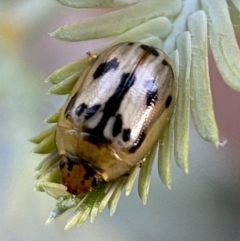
103 68
111 107
137 143
130 43
149 49
70 105
82 182
117 127
168 101
164 62
79 110
126 134
91 111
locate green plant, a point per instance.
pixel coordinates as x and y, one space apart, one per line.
184 30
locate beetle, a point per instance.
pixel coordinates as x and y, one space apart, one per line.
115 114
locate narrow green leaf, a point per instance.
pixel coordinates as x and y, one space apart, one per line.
223 41
181 126
112 204
54 117
175 59
100 198
130 180
105 25
65 86
43 134
201 97
68 70
160 27
85 207
145 175
107 196
74 219
47 145
50 183
54 190
48 162
165 155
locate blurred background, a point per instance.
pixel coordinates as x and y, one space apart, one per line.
203 205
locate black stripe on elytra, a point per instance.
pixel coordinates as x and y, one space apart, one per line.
126 135
70 105
111 107
138 142
149 49
91 111
103 68
168 101
117 127
79 110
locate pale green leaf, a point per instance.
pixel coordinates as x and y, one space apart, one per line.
145 175
201 98
159 27
105 25
223 41
181 126
43 134
54 117
112 204
165 155
65 86
47 145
